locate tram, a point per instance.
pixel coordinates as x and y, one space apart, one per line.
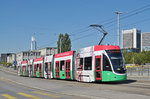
24 68
64 65
30 68
103 63
48 66
100 63
38 67
19 68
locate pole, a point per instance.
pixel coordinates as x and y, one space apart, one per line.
31 44
60 45
118 34
118 31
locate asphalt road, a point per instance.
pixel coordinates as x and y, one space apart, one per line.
27 88
10 90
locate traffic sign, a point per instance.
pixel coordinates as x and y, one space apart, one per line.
15 63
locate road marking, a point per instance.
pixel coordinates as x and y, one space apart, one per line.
46 94
29 96
8 96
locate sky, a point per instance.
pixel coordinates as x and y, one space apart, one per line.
20 19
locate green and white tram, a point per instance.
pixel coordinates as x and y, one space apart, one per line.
24 68
103 63
100 63
38 67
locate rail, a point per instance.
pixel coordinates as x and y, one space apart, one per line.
138 70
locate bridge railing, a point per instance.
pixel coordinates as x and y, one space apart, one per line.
138 70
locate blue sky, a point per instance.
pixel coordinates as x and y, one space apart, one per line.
19 19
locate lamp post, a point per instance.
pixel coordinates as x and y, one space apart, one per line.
118 13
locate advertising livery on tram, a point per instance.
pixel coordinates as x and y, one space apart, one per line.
96 63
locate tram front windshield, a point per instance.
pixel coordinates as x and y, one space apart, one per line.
116 60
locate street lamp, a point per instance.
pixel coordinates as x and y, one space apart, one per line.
118 13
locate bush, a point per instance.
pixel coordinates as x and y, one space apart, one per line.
137 58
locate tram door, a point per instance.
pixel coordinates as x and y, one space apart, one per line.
46 70
25 70
22 70
98 68
30 70
57 69
49 69
40 70
67 69
35 70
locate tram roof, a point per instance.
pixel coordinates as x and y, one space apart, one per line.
106 47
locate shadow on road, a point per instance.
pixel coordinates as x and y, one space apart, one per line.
99 82
117 82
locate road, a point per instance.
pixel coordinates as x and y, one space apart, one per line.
9 90
38 88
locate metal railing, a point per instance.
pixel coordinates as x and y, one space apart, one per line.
138 71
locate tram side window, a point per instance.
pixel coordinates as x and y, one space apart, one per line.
106 64
37 67
81 64
81 61
62 65
50 64
88 63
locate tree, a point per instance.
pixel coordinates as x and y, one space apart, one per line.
139 58
65 42
58 42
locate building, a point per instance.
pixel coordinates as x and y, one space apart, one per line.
11 58
27 55
4 56
131 39
145 41
48 51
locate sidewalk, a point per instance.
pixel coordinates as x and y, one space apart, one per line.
8 69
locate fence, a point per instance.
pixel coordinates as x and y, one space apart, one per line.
138 71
